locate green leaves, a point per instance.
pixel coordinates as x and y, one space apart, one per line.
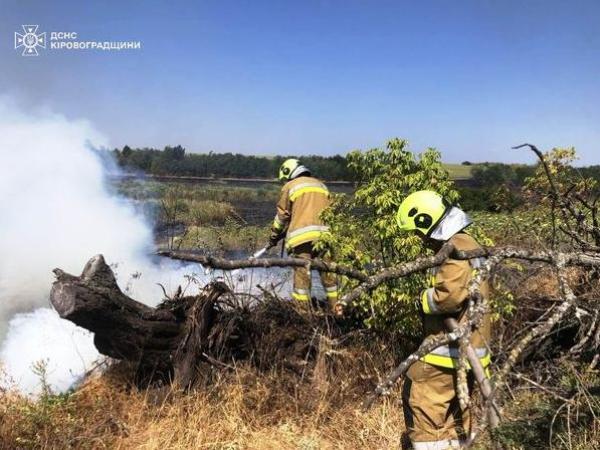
365 234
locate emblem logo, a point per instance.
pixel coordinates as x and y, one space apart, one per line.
30 40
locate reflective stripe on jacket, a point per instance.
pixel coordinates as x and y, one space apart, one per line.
300 204
447 295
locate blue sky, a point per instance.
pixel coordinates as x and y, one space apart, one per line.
471 78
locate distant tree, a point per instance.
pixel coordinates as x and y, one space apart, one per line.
522 172
176 153
493 174
590 172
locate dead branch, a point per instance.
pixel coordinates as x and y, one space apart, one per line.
371 281
569 210
226 264
520 376
399 271
424 263
185 337
542 329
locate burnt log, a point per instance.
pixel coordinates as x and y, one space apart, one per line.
165 343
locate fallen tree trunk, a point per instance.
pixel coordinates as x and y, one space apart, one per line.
180 338
164 342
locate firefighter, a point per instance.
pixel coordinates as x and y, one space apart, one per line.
300 204
433 417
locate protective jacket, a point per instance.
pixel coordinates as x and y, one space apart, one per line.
448 295
300 204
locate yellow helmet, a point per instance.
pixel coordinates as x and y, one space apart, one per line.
290 169
421 211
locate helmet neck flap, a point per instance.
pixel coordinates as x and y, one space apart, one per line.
453 221
299 170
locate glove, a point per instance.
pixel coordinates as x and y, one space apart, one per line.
273 240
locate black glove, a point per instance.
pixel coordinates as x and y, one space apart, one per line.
273 240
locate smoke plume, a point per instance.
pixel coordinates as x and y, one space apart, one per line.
56 211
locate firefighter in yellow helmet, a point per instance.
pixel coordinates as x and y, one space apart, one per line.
300 204
433 417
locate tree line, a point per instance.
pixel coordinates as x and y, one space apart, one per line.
492 187
175 161
500 187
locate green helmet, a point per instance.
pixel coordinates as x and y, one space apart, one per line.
290 169
421 211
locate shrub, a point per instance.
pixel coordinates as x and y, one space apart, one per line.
365 234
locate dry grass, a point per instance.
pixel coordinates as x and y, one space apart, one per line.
231 237
208 212
249 409
242 409
283 407
297 388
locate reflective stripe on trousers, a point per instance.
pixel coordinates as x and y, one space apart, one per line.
331 292
300 294
302 277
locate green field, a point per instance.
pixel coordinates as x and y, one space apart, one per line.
459 171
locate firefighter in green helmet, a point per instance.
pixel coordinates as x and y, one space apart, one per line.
301 202
433 417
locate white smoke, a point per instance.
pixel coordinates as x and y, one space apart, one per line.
55 211
41 337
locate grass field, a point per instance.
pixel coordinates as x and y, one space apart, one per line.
459 171
222 215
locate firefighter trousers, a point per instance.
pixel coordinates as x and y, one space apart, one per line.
302 277
432 414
